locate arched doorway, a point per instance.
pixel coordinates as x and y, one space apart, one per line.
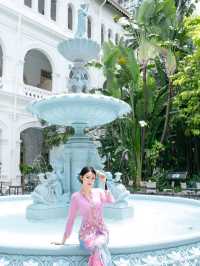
31 153
37 70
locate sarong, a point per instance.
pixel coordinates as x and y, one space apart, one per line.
97 246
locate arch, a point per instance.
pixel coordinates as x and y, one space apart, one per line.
70 17
43 49
102 34
31 143
37 69
30 124
89 27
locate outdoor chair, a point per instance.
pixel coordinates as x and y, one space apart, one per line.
198 188
143 186
151 187
169 191
185 190
4 187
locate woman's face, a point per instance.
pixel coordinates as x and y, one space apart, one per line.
88 179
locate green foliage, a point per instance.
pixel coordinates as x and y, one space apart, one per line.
154 152
52 136
26 169
157 17
40 167
187 101
143 78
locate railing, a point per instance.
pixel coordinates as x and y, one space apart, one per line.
35 93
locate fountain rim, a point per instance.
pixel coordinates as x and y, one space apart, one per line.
75 250
81 95
36 106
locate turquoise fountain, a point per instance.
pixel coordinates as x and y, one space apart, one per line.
81 110
162 231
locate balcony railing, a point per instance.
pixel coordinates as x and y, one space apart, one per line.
35 93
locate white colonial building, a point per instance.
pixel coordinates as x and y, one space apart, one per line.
31 67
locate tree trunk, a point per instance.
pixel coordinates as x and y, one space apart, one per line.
167 115
138 171
144 78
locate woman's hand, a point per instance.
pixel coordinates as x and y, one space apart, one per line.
60 243
57 243
101 176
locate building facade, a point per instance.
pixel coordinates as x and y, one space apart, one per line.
32 68
129 5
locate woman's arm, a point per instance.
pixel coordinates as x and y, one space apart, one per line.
106 195
73 209
108 198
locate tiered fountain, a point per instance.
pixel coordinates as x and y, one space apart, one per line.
163 230
81 110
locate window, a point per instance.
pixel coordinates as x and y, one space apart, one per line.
45 79
89 28
41 6
53 9
45 74
28 3
70 18
109 34
102 34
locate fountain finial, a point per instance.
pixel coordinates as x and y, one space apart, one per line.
82 16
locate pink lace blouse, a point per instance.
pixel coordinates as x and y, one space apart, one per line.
91 212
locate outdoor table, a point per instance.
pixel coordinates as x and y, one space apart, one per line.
16 189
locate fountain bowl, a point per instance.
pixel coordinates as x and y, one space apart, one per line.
72 49
89 109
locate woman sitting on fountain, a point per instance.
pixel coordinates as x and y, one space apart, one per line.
88 202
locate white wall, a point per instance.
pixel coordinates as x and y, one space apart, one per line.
23 29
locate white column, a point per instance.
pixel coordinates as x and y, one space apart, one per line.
20 73
20 3
35 5
55 83
8 76
15 159
5 159
17 162
47 8
61 13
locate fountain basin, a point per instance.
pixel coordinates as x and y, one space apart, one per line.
163 229
89 109
72 49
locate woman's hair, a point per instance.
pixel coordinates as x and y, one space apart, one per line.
84 171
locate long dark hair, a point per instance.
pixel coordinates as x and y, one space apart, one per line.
84 171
